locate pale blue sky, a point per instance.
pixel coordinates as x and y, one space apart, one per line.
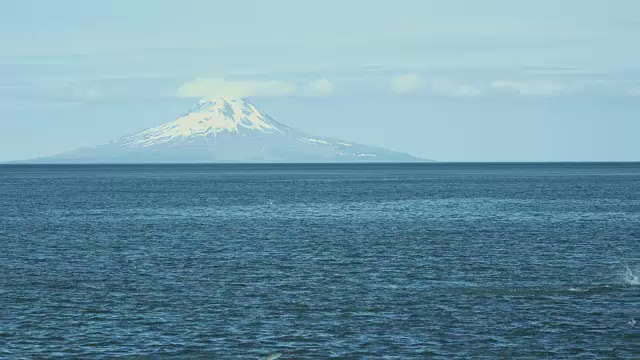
456 80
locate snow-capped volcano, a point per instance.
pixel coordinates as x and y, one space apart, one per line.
209 118
227 130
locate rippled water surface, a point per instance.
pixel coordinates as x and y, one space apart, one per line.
320 261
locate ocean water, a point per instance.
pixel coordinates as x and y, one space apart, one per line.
392 261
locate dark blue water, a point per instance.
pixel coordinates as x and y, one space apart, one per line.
320 261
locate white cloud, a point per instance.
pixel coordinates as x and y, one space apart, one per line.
407 84
220 87
530 88
445 87
320 87
634 92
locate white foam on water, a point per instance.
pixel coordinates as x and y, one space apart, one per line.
631 277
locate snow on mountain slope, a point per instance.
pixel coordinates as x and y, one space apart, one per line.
207 118
227 130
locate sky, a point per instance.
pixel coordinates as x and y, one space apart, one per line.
451 80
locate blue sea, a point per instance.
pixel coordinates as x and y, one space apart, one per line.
344 261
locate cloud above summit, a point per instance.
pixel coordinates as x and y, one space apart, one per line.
213 87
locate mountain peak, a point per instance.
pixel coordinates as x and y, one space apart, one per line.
210 117
221 100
